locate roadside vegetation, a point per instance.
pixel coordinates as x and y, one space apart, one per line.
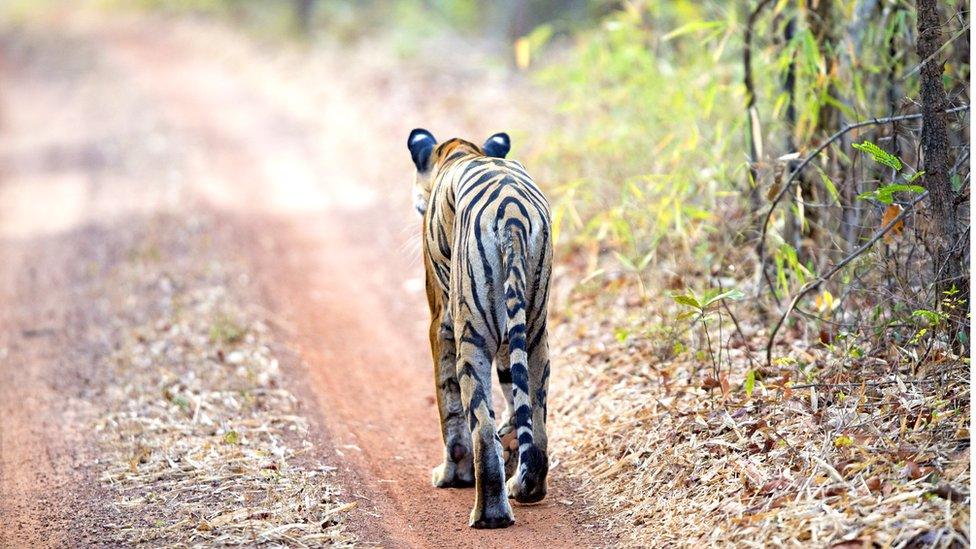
769 314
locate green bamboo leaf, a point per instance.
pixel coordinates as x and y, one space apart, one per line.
688 299
886 193
733 294
694 26
914 177
829 185
626 262
750 383
646 260
931 317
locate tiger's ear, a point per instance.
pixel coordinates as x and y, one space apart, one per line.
497 145
421 143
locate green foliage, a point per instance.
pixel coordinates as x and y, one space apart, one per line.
789 269
885 194
232 437
915 177
830 186
649 149
710 297
932 318
688 300
879 155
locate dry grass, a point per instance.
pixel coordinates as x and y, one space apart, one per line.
881 462
202 445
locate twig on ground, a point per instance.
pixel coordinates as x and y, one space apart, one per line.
866 384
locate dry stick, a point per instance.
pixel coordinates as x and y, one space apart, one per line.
814 284
858 385
936 52
809 158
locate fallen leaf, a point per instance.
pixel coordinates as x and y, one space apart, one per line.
893 211
709 383
912 470
773 485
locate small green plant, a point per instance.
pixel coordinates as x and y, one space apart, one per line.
885 193
702 309
225 331
750 383
789 268
710 297
637 268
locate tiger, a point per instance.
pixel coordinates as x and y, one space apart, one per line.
487 251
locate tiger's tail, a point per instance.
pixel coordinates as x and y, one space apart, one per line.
531 458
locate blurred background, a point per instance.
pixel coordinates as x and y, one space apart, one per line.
661 130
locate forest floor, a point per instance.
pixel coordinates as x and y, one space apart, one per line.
214 330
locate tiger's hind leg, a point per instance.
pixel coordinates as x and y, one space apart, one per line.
457 469
506 427
491 507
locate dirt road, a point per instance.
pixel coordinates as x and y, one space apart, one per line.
300 160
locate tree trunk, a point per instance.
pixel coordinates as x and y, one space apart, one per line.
950 243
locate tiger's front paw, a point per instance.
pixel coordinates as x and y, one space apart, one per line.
457 471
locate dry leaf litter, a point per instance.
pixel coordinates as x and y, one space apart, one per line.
873 455
204 445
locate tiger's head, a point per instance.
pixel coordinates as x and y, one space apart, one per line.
427 154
